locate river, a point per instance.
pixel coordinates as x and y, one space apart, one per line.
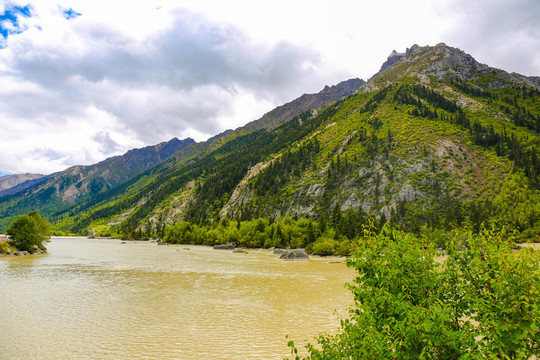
101 299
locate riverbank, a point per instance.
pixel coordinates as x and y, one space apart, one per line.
15 252
7 250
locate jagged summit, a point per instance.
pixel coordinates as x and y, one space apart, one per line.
391 60
445 62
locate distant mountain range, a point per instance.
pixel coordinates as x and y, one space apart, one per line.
434 140
10 184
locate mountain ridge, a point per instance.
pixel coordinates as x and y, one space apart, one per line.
289 110
60 189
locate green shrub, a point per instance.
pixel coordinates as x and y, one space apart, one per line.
28 231
4 247
345 248
324 246
479 302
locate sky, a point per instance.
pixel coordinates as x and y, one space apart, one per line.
81 80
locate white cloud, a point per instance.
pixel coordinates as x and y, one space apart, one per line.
127 74
503 34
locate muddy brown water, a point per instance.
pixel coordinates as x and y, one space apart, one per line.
101 299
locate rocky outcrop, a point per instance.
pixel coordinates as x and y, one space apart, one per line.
296 254
445 62
240 251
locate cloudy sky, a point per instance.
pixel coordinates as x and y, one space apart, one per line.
83 80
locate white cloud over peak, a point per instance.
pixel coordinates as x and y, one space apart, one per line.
85 80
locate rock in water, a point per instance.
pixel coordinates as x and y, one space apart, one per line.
296 254
240 251
228 246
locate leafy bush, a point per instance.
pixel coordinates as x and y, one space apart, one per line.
4 247
478 302
324 246
345 248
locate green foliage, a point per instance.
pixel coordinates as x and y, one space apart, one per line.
325 246
479 301
28 231
4 247
260 233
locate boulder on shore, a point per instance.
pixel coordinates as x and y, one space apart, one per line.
227 246
296 254
280 251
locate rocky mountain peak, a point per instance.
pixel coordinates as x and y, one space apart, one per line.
445 62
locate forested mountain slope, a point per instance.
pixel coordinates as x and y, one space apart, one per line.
434 141
59 191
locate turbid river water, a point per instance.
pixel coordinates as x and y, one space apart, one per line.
101 299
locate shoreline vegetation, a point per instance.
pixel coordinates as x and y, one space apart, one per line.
25 236
340 235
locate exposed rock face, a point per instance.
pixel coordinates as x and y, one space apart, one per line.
149 156
296 254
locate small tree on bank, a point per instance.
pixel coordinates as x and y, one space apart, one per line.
28 231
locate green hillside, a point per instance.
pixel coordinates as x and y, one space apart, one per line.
434 142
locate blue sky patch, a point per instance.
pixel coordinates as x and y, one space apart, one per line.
71 14
9 20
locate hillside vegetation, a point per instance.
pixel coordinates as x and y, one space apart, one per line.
432 143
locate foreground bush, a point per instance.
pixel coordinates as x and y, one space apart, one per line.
480 301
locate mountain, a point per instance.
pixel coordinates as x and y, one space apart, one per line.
61 190
17 182
433 141
64 191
